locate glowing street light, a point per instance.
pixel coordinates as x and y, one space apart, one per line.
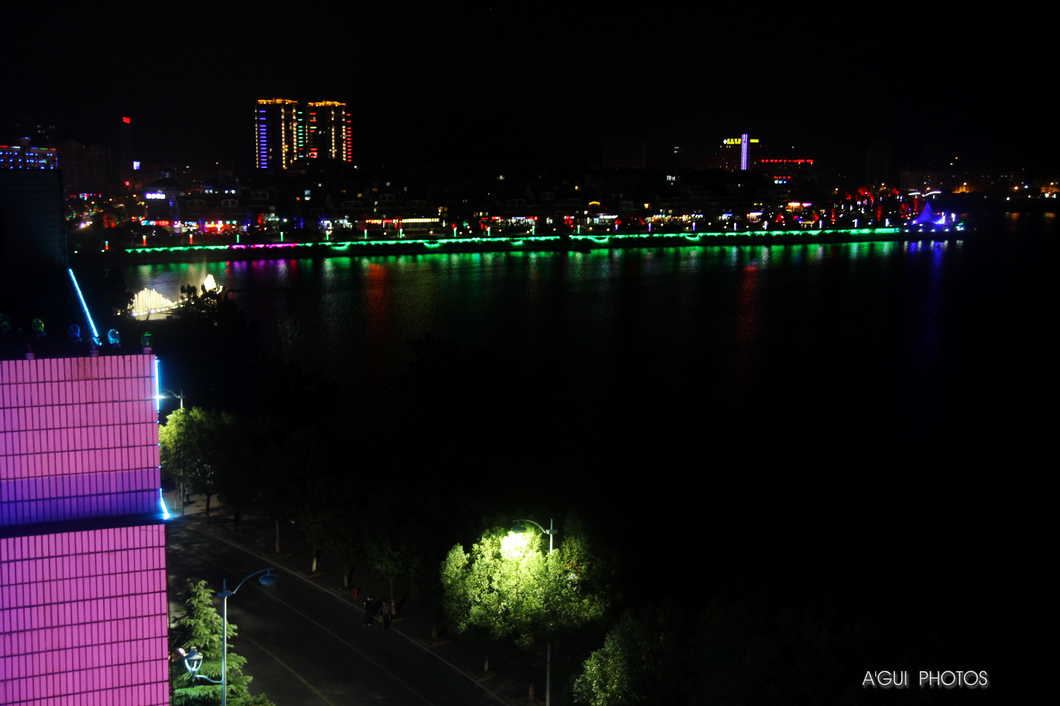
193 660
519 528
173 395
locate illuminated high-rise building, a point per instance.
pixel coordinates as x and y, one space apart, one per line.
328 131
32 230
736 152
83 612
279 137
83 606
286 130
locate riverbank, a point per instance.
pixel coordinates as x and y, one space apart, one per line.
522 243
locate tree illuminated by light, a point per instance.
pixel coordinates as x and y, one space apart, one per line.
508 587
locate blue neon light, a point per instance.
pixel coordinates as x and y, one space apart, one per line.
84 306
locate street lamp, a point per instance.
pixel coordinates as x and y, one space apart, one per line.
181 398
174 395
193 660
519 528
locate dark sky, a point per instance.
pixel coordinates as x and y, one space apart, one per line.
532 83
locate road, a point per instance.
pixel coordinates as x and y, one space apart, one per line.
304 645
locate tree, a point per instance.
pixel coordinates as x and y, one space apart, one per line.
285 463
508 587
390 533
398 537
643 661
194 445
471 582
576 586
329 518
199 627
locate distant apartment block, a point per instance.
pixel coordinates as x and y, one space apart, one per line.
736 152
26 157
32 231
286 131
328 131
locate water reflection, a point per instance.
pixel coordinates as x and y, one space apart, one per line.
741 325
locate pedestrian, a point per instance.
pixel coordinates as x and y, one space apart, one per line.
369 608
386 615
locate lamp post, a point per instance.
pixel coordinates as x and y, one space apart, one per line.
174 395
181 398
519 528
193 661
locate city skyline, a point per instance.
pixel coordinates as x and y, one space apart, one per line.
496 85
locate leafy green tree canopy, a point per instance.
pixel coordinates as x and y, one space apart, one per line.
508 586
195 445
199 627
644 660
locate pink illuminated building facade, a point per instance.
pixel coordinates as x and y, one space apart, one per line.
82 545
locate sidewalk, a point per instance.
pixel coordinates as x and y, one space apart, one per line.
509 666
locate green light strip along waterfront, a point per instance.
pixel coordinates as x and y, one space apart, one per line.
572 242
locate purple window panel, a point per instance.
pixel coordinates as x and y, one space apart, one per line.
79 439
77 421
67 598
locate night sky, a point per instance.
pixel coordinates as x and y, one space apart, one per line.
538 84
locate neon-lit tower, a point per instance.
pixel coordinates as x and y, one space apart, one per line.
744 142
328 131
279 137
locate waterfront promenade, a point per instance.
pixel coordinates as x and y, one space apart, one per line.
520 243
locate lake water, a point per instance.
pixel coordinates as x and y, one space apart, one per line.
798 402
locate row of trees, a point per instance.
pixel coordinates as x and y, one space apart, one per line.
498 586
367 497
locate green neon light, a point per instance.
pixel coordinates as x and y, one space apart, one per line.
530 241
